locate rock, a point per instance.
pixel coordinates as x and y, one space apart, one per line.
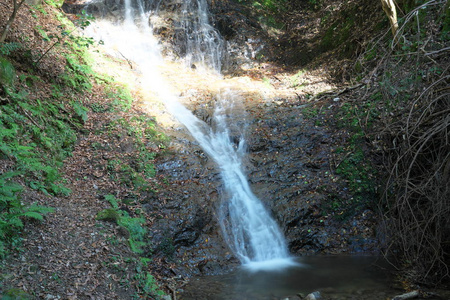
109 215
314 296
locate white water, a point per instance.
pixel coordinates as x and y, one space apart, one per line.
204 45
247 226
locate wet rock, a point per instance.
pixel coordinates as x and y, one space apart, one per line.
314 296
191 231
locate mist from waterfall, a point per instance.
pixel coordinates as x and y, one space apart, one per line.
247 226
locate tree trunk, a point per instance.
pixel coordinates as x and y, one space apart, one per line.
391 12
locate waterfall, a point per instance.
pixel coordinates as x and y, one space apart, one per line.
247 226
204 45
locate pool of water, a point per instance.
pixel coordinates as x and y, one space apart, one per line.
336 277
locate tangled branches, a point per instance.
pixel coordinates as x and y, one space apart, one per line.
413 82
419 184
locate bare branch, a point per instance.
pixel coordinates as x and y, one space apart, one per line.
11 19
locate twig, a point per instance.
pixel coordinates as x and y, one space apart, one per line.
4 100
333 93
174 292
128 61
437 51
59 40
30 118
409 295
342 160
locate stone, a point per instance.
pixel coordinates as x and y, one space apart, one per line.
314 296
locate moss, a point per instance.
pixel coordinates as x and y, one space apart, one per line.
337 34
16 294
109 215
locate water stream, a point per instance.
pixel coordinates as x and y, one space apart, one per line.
247 226
336 277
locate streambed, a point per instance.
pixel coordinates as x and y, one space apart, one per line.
335 277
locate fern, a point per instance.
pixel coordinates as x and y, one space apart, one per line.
8 48
7 73
13 212
112 200
80 110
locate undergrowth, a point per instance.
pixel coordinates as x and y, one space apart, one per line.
134 230
268 11
37 130
353 164
409 80
41 115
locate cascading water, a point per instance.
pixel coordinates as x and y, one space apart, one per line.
250 231
247 226
204 45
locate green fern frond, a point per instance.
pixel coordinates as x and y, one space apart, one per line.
33 215
7 73
40 209
8 48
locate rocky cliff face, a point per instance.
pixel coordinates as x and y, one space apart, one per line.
290 168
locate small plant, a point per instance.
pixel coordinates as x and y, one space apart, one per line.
8 48
121 97
310 112
114 164
297 79
16 294
131 226
112 200
13 212
148 286
7 74
80 111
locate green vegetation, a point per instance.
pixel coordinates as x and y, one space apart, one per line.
133 229
146 285
136 134
310 112
16 294
268 5
268 11
297 80
13 213
8 48
339 32
404 116
42 113
35 137
354 165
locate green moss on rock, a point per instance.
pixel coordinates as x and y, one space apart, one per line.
109 215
